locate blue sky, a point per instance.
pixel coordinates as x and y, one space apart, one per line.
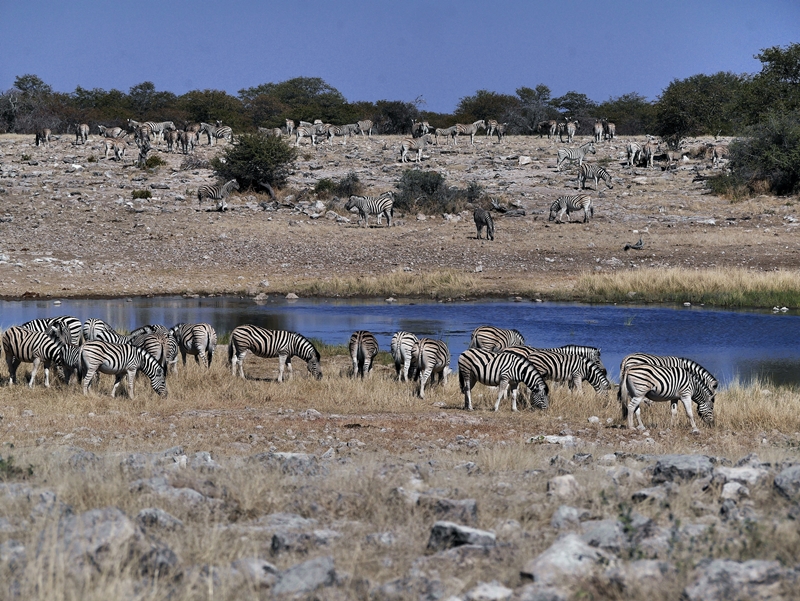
398 50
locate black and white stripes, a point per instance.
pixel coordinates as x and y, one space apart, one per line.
575 154
483 218
504 369
119 360
216 132
218 192
272 343
402 346
469 130
564 205
363 349
593 171
198 339
495 339
373 205
22 345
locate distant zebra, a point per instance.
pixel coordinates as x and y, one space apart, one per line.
643 382
289 126
500 130
575 154
719 153
142 135
97 329
156 345
491 126
649 152
469 130
157 128
593 171
504 369
419 128
216 132
342 131
23 345
561 127
81 133
67 325
572 129
564 205
373 205
549 126
198 339
188 140
414 144
598 130
634 152
43 136
111 132
363 350
494 339
115 146
609 129
432 357
271 132
365 127
272 343
449 132
172 138
308 131
564 367
402 349
218 192
118 360
483 218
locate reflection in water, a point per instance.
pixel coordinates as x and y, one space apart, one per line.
732 344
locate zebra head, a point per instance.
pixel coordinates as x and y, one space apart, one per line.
314 367
597 378
539 394
554 210
704 398
351 202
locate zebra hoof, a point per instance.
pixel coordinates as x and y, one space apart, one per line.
696 432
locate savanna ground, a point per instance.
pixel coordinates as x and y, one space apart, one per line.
67 231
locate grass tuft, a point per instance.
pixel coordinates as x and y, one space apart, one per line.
437 284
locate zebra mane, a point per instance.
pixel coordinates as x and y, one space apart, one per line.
301 340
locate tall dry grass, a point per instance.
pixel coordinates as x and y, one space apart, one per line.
447 283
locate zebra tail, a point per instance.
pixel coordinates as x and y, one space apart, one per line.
231 350
210 348
622 396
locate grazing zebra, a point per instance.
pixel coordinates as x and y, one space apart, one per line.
449 132
500 130
575 154
157 128
341 130
188 140
506 370
365 127
81 133
218 192
572 129
111 132
593 171
469 130
308 131
564 367
70 361
598 130
272 343
483 218
373 205
402 348
411 144
549 126
69 327
363 350
491 126
609 129
22 345
564 205
655 383
116 146
719 152
216 132
634 152
156 344
97 329
590 352
490 338
270 132
172 138
43 136
119 359
198 339
432 357
697 370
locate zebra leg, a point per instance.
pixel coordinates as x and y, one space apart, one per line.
117 380
131 378
183 356
686 399
388 218
406 367
467 389
281 364
364 216
36 362
673 413
503 392
354 359
424 378
633 407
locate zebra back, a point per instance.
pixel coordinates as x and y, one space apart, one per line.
495 339
97 329
26 345
118 359
691 366
66 324
483 218
431 353
273 343
363 350
661 383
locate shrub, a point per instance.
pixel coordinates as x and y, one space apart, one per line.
142 194
25 157
256 160
194 162
324 187
154 161
91 159
427 192
345 188
8 470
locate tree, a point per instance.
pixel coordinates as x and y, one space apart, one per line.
308 98
631 113
776 87
534 106
396 116
575 105
486 105
32 86
210 105
256 161
146 103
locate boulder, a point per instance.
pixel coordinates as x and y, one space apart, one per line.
606 534
489 591
153 517
257 572
566 516
446 535
728 580
671 468
742 475
464 511
306 577
564 487
568 557
788 482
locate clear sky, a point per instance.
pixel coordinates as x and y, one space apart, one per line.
395 50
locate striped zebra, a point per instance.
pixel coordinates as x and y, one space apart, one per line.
561 128
289 126
634 152
504 369
119 359
272 343
156 127
172 138
697 370
97 329
111 132
548 126
155 344
648 153
21 345
483 218
81 133
469 130
655 383
188 140
500 130
363 350
448 132
402 348
572 129
564 367
218 192
596 172
432 357
590 352
70 361
198 339
271 132
564 205
341 130
115 146
305 131
414 144
365 127
609 130
419 128
69 327
373 205
575 154
491 126
216 132
719 153
598 130
142 135
43 136
494 339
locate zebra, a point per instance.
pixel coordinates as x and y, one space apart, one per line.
111 132
289 126
402 348
719 152
561 127
119 359
157 128
97 329
657 383
483 218
308 131
449 132
419 128
648 153
81 133
218 192
68 326
216 132
198 339
188 140
172 138
43 136
494 339
432 357
634 153
373 205
115 146
70 361
491 126
572 129
564 367
410 144
365 127
156 344
363 350
564 205
500 130
590 352
469 130
504 369
341 130
609 129
697 370
595 171
23 345
142 135
598 130
272 343
575 154
550 126
171 345
271 132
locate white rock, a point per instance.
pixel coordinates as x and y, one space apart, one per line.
524 160
564 487
568 558
735 491
489 591
594 420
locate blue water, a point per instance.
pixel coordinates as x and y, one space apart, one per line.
732 344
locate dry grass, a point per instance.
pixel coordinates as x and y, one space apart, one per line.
434 284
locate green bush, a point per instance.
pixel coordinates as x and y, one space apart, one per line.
142 194
255 160
325 187
154 161
427 192
8 470
349 185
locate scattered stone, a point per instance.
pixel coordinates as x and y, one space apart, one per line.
489 591
13 556
564 487
153 517
569 557
742 475
306 577
446 535
566 516
541 592
670 468
301 542
257 572
734 491
608 535
464 511
788 482
297 464
594 419
728 580
202 461
292 296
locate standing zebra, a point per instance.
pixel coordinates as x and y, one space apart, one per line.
22 345
172 138
308 131
81 133
111 132
634 152
97 329
494 339
188 140
575 154
365 127
341 130
564 205
491 126
198 339
118 360
564 367
719 153
218 192
598 130
432 357
116 146
155 344
609 129
272 343
572 129
697 370
68 326
500 130
411 144
593 171
216 132
590 352
157 128
270 132
469 130
363 350
561 127
483 218
289 126
642 382
43 136
648 153
448 132
373 205
402 348
500 369
549 126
